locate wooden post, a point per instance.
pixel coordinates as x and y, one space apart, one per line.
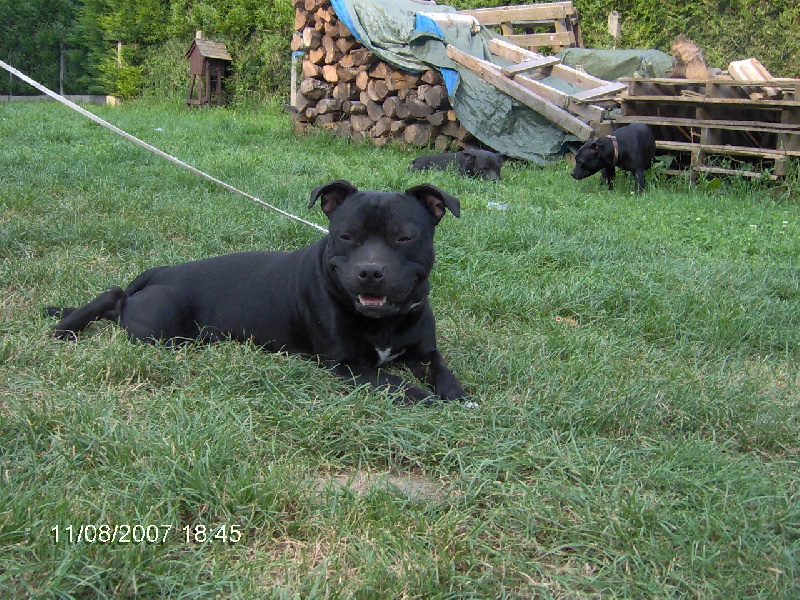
61 68
297 59
614 25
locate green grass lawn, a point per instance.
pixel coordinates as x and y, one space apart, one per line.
636 358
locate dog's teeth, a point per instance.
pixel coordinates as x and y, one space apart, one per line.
368 300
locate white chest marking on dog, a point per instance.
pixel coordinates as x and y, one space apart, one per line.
386 356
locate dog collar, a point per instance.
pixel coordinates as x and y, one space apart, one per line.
616 148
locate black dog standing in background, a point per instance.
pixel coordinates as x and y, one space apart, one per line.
632 148
358 298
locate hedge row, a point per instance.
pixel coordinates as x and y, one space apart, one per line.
154 34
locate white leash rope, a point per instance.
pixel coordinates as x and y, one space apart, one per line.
153 149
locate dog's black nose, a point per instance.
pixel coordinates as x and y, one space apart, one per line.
371 272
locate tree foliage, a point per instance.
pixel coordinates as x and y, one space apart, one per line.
129 47
120 46
35 36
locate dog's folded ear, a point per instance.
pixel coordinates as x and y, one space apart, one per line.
332 193
435 200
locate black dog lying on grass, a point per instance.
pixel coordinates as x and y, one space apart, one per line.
632 148
358 298
480 163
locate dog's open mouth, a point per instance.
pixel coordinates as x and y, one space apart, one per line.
371 301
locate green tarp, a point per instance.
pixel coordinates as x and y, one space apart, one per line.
613 64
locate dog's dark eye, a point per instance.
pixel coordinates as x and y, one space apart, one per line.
345 238
404 238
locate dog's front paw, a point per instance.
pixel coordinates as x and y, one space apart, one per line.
63 334
412 395
450 389
466 401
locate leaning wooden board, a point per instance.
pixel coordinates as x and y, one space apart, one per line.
573 113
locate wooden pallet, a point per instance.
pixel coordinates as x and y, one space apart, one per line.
716 126
532 26
577 113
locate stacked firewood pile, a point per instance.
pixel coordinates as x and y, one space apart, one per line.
345 87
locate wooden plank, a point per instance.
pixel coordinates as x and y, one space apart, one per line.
534 13
492 75
587 112
563 101
735 172
577 78
561 27
785 82
760 126
725 149
512 52
719 171
560 16
576 29
544 61
679 81
747 102
667 80
516 54
543 39
603 90
752 70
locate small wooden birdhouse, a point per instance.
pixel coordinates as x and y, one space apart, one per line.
207 62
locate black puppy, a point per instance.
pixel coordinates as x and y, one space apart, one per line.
482 163
358 298
631 148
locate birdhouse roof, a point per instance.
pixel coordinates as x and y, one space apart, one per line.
209 49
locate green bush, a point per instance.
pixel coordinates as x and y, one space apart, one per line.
166 71
257 35
122 78
261 68
156 38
